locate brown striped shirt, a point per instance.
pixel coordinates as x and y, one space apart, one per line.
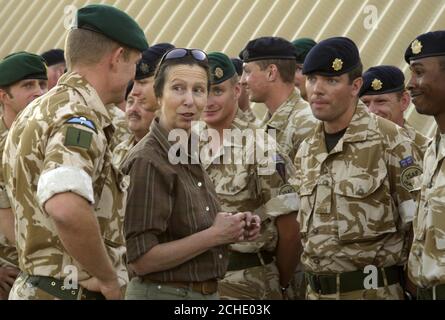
168 202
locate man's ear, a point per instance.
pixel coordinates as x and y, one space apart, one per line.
3 95
237 90
405 100
356 86
116 56
272 72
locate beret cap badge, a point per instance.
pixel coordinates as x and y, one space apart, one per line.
219 73
416 46
337 64
376 84
145 68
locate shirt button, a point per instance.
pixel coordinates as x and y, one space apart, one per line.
316 261
430 185
315 231
220 256
207 209
199 184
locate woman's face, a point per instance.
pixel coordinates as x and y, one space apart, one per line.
183 97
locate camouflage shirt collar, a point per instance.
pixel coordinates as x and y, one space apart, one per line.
3 129
89 94
357 129
280 118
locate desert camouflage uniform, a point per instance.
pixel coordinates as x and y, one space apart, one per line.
60 143
355 207
293 122
243 187
420 140
121 131
8 252
120 153
427 257
249 116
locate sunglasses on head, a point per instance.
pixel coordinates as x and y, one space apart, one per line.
179 53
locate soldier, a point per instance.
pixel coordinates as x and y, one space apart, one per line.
252 272
67 198
303 46
269 67
426 56
22 79
354 176
384 93
55 61
243 100
142 103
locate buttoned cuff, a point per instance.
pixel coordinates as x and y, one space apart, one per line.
282 204
64 179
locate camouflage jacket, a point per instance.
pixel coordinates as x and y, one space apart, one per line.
293 122
244 187
120 153
427 257
355 205
419 139
60 143
8 252
121 131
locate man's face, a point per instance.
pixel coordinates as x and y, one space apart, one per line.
139 117
144 91
427 85
221 103
255 81
331 97
388 105
22 93
300 81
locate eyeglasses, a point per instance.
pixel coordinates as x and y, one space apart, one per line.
179 53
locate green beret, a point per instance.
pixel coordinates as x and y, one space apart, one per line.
303 46
221 67
112 23
21 65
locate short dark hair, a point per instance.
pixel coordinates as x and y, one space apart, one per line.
162 68
286 68
355 73
7 89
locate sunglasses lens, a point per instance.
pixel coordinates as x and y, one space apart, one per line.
199 55
176 54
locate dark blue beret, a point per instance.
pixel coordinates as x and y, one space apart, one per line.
265 48
147 65
430 44
382 79
332 57
53 56
238 63
129 88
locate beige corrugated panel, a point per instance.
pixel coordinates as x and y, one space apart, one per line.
226 25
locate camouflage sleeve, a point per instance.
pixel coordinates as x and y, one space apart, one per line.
276 189
72 154
404 165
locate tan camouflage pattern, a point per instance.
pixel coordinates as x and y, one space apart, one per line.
8 252
293 122
419 139
34 147
23 291
427 256
354 210
120 153
249 116
241 187
257 283
121 131
391 292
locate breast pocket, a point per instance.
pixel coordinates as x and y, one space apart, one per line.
307 199
364 207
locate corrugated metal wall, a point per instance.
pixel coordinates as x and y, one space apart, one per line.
381 28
